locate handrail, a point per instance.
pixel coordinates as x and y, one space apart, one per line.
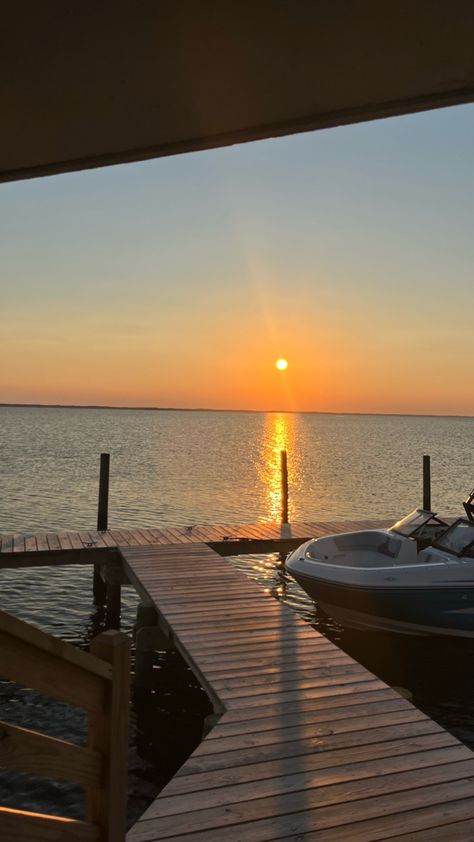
99 683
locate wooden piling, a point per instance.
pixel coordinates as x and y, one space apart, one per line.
426 483
103 507
284 486
99 586
146 618
113 602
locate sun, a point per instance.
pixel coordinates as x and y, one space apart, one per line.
281 364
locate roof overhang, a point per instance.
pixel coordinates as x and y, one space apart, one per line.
93 83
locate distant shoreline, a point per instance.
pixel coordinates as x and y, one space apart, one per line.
211 409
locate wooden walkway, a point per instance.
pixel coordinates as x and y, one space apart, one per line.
72 546
309 744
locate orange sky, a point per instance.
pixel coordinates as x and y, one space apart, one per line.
179 282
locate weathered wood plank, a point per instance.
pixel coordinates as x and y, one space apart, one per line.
460 831
299 764
306 731
322 742
282 708
75 540
323 710
42 542
271 675
30 544
36 638
7 543
98 540
18 544
38 754
283 785
118 537
296 683
409 822
50 674
64 541
108 539
21 826
53 541
283 808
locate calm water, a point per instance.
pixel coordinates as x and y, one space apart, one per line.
183 468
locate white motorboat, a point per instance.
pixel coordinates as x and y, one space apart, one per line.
417 577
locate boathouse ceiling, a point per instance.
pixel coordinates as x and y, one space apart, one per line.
94 83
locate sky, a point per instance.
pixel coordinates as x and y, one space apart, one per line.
179 281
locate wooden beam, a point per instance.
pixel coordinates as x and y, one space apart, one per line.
21 826
39 639
38 754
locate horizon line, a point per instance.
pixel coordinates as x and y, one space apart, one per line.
220 409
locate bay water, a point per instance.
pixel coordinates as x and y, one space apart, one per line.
179 468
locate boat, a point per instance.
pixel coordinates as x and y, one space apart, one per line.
414 578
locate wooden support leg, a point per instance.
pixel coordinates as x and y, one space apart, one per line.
99 588
146 617
149 638
115 577
113 605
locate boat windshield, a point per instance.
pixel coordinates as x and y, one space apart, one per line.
458 539
412 523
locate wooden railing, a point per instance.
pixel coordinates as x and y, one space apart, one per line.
97 682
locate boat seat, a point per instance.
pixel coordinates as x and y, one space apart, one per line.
390 547
368 541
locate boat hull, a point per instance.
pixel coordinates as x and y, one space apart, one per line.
413 611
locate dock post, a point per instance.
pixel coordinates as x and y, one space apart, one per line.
150 637
99 586
146 617
426 484
113 601
284 486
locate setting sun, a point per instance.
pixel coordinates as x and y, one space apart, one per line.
281 364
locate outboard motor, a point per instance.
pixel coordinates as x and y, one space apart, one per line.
469 506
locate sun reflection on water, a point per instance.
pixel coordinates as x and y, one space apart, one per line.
278 435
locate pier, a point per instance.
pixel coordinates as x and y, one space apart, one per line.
304 742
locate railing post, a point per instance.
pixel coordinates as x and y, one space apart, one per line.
426 483
284 486
99 586
108 733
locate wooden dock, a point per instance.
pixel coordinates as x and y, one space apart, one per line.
305 743
309 744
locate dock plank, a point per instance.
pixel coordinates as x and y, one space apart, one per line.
268 819
284 784
256 773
